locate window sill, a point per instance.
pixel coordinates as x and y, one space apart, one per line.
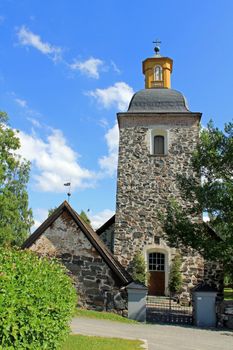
158 155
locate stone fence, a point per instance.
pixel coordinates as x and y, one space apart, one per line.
225 314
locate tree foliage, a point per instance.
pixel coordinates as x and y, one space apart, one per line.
15 217
37 301
85 218
139 268
213 164
51 211
175 276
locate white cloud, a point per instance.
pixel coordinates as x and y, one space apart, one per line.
34 122
103 122
108 163
28 38
100 218
54 162
90 67
118 95
21 103
115 68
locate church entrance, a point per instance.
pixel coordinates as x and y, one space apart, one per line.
157 274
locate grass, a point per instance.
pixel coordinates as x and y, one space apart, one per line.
228 294
102 316
82 342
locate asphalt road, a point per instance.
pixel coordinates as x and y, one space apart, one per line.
159 337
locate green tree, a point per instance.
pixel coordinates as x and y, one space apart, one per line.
175 276
85 218
213 162
139 268
15 216
51 211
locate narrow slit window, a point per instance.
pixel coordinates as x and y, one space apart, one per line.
159 145
158 73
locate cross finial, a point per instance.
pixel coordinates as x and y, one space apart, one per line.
157 43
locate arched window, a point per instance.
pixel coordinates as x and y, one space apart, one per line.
158 76
159 144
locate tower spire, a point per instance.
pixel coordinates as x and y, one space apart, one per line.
157 43
157 69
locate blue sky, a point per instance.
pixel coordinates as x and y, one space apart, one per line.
67 68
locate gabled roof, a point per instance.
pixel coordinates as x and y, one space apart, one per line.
101 248
106 225
211 231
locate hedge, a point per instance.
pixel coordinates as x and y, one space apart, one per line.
37 301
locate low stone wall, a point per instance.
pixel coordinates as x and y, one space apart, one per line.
225 314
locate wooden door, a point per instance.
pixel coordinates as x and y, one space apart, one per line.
157 274
156 283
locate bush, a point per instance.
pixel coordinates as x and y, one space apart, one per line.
175 277
228 280
139 268
37 301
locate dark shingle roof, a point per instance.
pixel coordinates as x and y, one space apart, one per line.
106 225
94 239
158 101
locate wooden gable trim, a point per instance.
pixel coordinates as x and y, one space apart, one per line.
106 225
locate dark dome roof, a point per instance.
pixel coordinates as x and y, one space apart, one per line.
158 101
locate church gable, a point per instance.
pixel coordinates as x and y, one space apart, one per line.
97 275
64 237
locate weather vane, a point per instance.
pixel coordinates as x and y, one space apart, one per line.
68 184
157 43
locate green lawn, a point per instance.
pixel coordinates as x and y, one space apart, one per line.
81 342
228 294
102 315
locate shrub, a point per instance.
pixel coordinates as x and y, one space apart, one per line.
37 301
175 277
228 280
139 268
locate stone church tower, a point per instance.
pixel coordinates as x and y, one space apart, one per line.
158 134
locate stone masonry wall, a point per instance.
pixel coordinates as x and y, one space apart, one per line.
225 314
146 182
96 286
108 237
192 270
214 276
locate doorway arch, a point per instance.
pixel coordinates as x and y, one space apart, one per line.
161 248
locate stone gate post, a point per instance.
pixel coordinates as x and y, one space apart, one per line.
137 293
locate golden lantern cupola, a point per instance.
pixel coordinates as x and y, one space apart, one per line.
157 70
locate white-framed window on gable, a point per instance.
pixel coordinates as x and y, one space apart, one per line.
158 73
158 142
